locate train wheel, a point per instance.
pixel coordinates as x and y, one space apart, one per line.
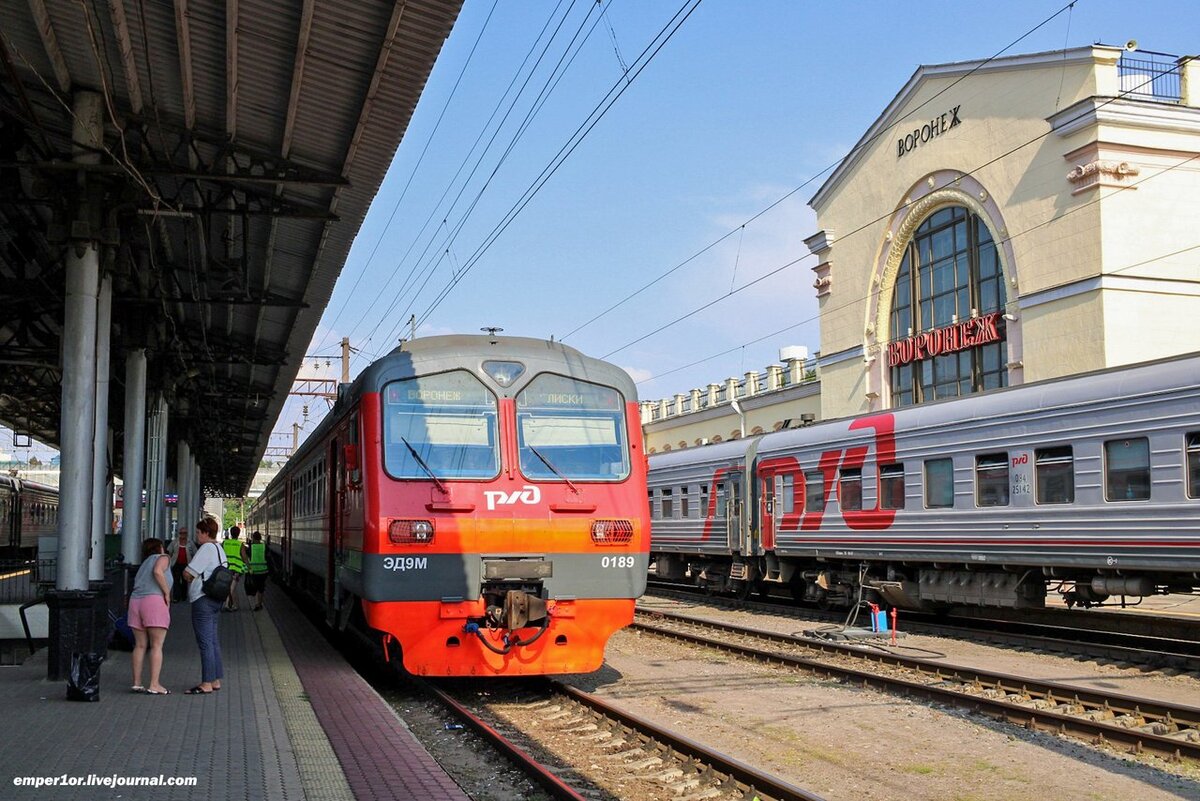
742 589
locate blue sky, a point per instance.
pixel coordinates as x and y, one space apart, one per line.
745 103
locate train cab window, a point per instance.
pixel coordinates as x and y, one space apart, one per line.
939 483
1055 468
814 491
441 425
1193 465
1127 469
571 429
668 505
991 479
891 486
850 489
685 509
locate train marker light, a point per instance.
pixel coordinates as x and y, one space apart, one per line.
612 532
410 532
504 373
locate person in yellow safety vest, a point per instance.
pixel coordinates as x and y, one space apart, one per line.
255 554
233 552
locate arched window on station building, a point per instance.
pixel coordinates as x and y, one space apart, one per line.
947 335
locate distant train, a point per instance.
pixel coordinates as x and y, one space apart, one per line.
28 510
1088 486
478 501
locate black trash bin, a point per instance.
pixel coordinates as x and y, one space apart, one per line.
84 682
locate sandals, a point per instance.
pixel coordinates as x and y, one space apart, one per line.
198 690
158 692
137 688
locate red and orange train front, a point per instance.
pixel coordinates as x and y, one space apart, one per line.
506 523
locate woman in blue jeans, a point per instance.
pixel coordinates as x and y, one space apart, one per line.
206 612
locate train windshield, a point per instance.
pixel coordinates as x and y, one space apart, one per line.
441 426
571 430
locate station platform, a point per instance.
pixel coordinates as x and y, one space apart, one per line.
292 722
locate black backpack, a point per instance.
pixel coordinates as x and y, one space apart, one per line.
219 581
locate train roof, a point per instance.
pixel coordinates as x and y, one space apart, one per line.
1141 379
437 354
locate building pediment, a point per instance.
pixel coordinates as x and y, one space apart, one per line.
936 120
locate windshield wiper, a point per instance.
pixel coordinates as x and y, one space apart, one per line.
440 484
557 472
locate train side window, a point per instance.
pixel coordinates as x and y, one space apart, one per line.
850 489
653 505
1055 468
1127 469
685 510
939 483
668 510
991 479
891 486
703 500
786 502
1193 465
814 491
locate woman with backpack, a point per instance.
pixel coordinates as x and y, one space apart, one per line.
206 610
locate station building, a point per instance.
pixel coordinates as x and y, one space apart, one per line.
1000 222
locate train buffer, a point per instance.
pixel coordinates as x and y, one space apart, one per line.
292 721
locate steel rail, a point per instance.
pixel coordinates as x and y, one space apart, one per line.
760 784
1052 633
1055 697
534 769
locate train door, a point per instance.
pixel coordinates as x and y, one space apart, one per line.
733 509
771 490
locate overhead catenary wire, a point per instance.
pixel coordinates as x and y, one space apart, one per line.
866 225
885 342
548 87
413 273
643 60
862 144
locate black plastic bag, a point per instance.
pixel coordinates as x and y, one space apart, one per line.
84 681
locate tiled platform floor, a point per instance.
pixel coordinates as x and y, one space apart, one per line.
292 722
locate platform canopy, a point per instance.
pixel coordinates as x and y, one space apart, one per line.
243 142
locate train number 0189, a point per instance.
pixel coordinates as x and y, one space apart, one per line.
620 562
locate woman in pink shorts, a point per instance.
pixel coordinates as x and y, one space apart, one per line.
150 614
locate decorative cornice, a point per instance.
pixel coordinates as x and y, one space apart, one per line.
1142 114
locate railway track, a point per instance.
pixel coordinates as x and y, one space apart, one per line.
1139 725
1161 643
576 745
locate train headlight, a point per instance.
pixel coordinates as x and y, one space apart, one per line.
612 532
410 532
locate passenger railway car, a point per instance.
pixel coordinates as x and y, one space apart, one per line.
1089 486
479 501
28 510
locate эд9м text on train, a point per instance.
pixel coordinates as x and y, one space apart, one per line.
1089 486
479 502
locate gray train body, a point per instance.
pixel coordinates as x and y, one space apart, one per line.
28 510
1089 485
